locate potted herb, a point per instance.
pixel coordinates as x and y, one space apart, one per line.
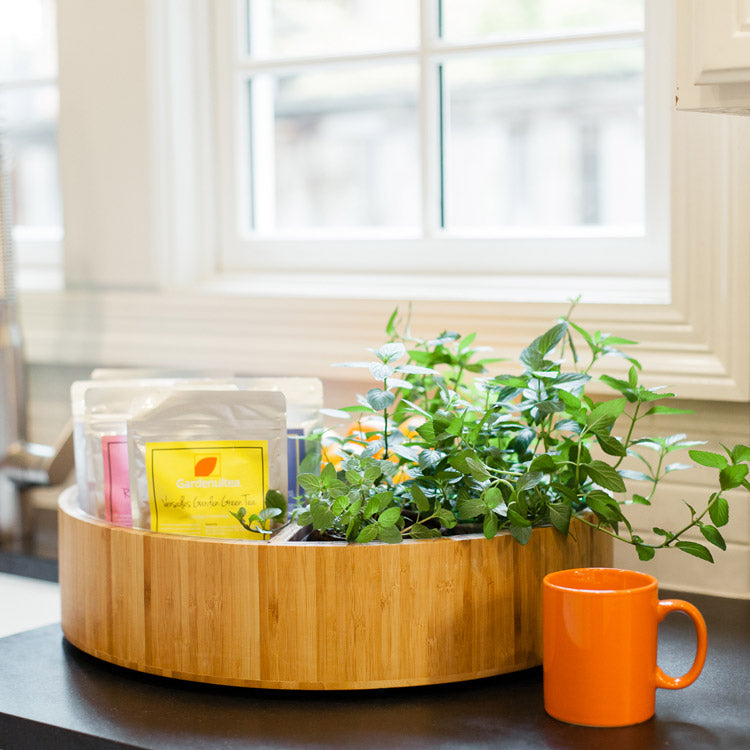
528 462
438 445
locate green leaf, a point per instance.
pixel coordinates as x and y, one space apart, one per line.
429 459
645 552
368 534
641 500
477 469
652 394
521 534
372 473
427 432
322 516
740 453
718 510
610 445
390 327
713 535
529 480
623 386
340 505
617 341
389 534
420 499
277 501
372 507
604 414
543 462
559 516
310 482
490 525
492 498
419 531
732 476
638 476
667 410
391 352
469 507
389 517
354 478
405 452
328 475
416 370
707 458
599 503
568 425
695 549
587 337
533 355
381 371
466 341
605 476
379 399
517 519
384 499
572 403
510 381
446 518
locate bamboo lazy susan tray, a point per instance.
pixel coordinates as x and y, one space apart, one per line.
307 615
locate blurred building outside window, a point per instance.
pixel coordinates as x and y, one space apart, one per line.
28 124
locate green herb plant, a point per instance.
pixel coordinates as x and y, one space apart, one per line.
260 523
438 446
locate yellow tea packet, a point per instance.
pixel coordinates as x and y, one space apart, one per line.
202 462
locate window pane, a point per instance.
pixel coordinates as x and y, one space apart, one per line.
477 19
30 125
545 140
28 39
345 148
302 27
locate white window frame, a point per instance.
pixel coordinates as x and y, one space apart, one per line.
141 239
39 248
587 251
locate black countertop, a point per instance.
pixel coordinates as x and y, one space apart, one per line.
54 696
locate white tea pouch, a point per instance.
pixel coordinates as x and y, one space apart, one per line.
209 463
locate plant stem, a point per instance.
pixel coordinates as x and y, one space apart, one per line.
385 424
633 420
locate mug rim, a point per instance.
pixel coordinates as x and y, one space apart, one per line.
640 581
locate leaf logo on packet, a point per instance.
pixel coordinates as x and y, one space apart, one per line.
205 465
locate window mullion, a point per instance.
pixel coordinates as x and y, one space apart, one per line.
430 120
261 164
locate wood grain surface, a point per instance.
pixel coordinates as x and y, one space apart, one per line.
306 615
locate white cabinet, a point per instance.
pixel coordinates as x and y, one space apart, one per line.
713 55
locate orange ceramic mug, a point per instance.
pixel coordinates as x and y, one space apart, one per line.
600 635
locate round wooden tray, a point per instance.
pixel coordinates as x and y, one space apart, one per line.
306 615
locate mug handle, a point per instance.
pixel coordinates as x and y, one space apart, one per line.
664 607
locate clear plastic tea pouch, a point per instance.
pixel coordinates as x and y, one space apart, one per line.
203 462
304 400
100 413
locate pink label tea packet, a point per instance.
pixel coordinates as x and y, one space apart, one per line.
116 480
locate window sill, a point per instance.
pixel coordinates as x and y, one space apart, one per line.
276 326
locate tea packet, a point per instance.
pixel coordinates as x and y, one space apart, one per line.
101 408
208 462
304 400
100 412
